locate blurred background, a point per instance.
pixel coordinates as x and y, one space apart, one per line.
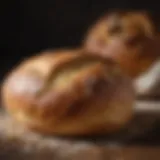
29 26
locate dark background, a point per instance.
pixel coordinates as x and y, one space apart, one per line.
29 26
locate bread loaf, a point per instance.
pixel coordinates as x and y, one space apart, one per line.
66 92
128 37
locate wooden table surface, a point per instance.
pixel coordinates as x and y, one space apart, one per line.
17 143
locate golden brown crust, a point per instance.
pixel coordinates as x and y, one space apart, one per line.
128 37
69 93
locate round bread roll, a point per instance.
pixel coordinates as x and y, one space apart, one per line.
68 93
129 38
